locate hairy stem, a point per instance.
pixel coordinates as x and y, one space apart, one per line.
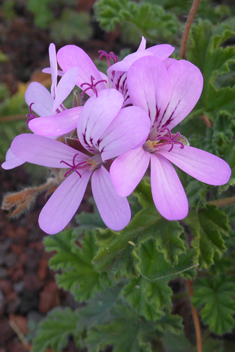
222 202
195 319
188 26
12 118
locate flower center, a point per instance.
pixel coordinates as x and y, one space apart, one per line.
92 86
30 116
92 163
74 166
109 56
167 139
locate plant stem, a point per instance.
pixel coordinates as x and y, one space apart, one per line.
192 13
195 319
13 118
222 202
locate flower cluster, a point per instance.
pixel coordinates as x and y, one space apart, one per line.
124 125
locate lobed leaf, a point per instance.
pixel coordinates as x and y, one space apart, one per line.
55 329
78 273
216 295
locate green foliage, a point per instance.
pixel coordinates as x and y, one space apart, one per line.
116 250
206 52
71 26
78 273
217 297
42 11
208 226
145 19
54 330
10 127
149 299
130 333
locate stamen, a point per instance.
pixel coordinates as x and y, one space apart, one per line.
109 56
92 86
171 139
30 116
74 167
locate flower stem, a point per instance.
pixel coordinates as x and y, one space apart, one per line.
222 202
192 13
195 319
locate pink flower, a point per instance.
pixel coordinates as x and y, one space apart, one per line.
105 130
55 118
167 91
72 56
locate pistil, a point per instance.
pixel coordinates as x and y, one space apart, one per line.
92 86
109 56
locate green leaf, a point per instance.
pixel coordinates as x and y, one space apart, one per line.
130 333
97 310
149 299
208 225
152 265
150 20
78 273
55 329
72 25
205 51
177 343
217 297
117 249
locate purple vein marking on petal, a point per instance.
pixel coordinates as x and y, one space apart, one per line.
171 116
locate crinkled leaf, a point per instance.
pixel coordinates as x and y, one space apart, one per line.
149 299
128 332
116 249
97 310
208 225
205 51
217 298
152 266
151 20
54 330
78 273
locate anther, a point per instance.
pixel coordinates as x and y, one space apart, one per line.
109 56
92 86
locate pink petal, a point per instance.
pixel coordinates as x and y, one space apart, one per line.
142 45
117 80
73 56
11 161
56 125
48 70
97 114
64 202
161 51
128 169
168 194
53 65
202 165
41 98
186 82
65 86
44 151
128 130
126 63
147 81
114 210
